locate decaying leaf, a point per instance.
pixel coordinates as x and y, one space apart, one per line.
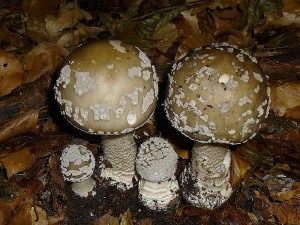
286 213
291 6
20 125
239 168
148 27
11 73
20 160
125 218
192 37
285 96
45 57
257 8
165 37
108 219
66 22
38 9
278 21
233 215
29 214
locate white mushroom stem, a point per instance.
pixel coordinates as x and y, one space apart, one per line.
84 188
209 173
120 151
158 195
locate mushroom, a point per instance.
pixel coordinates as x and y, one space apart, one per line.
109 88
216 94
156 163
77 165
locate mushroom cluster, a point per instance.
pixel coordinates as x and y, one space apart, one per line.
216 94
109 88
156 164
77 165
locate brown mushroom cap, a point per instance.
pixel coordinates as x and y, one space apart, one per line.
217 94
107 87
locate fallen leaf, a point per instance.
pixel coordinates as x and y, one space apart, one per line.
104 220
233 215
66 22
285 96
257 8
40 8
293 113
36 30
19 125
165 37
18 161
239 168
38 216
78 35
22 215
11 73
45 57
148 27
192 37
291 6
125 218
286 213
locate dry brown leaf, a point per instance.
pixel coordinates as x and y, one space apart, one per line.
36 30
239 168
285 96
274 21
22 215
11 73
104 220
192 37
286 213
293 113
40 8
60 28
10 38
20 125
78 35
233 215
291 6
18 161
43 58
125 218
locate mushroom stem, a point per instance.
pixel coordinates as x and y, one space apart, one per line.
84 188
121 152
209 174
158 195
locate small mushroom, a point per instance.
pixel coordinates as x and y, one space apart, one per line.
109 88
216 94
156 163
77 165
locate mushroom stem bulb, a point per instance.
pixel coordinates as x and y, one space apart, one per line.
209 172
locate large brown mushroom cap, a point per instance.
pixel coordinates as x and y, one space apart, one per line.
217 94
107 87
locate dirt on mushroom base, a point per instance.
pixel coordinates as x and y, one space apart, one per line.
109 203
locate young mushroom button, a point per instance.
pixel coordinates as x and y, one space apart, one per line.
156 163
216 94
108 88
77 165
